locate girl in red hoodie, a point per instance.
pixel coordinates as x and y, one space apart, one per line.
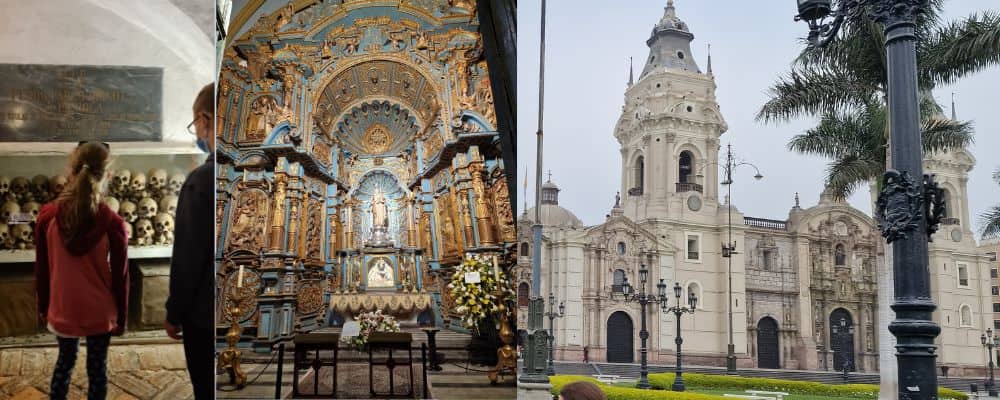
81 271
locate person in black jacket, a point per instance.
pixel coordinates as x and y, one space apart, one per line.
192 274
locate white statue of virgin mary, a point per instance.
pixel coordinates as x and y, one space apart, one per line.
378 208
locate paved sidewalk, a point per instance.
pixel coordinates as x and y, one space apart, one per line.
147 371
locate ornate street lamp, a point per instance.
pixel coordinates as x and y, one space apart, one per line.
909 208
552 314
989 342
643 299
678 310
728 249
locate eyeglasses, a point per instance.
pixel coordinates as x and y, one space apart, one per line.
83 142
191 128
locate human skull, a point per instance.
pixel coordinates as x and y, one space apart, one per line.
112 203
4 184
174 186
128 232
144 232
138 182
23 236
5 238
168 204
123 178
19 186
147 208
157 179
40 187
127 210
32 208
163 222
56 185
9 209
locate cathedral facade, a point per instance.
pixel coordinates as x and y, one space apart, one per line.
800 292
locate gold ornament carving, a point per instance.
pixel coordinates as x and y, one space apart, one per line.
448 226
242 298
432 145
249 221
321 152
314 232
278 218
504 215
376 139
310 297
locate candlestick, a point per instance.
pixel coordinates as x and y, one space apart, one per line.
239 278
496 271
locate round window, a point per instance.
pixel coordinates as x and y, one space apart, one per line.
621 248
680 55
690 109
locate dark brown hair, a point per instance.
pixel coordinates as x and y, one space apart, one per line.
205 102
582 390
79 202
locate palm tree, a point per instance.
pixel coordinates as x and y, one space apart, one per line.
845 84
991 218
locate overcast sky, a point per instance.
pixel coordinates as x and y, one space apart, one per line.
588 44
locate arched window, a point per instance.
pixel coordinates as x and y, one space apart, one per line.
965 314
524 249
640 174
523 292
839 256
617 280
686 164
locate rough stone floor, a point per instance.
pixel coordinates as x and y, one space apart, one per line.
146 371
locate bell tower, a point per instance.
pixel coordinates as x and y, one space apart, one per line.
669 130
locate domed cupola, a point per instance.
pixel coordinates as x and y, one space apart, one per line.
552 213
670 44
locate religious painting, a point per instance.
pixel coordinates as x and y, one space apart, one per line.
380 274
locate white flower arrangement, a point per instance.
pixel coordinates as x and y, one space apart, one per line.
474 300
371 322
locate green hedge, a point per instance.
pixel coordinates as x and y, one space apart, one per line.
861 391
623 393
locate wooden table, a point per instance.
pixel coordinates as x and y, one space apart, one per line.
306 342
389 341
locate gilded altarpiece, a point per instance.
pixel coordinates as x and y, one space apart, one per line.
357 165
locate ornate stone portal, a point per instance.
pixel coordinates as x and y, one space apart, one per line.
341 188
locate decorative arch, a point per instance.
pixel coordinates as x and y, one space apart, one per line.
842 339
768 345
639 170
620 331
525 250
384 76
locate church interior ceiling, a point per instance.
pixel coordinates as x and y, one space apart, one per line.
358 156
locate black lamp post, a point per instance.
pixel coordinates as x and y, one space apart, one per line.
552 314
908 208
678 310
989 342
728 249
846 334
643 299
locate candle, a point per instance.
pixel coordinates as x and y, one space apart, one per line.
239 278
244 176
496 271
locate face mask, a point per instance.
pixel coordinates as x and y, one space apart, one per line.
202 145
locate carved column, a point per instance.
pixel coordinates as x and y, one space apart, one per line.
349 229
294 212
411 232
